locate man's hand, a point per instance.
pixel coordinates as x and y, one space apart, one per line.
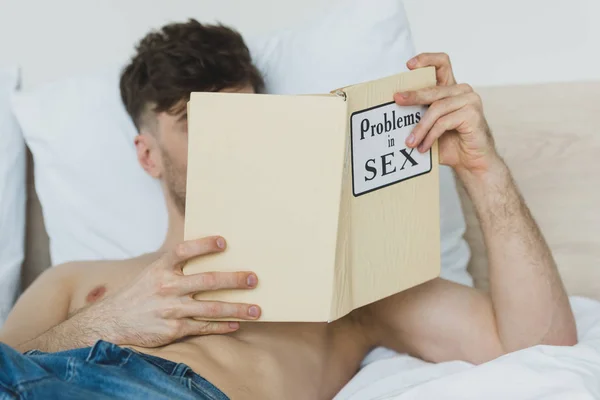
455 117
154 309
157 307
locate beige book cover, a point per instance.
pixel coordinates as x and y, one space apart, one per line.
316 194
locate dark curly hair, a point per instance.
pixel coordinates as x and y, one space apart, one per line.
181 58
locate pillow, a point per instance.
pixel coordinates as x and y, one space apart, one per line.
97 201
12 195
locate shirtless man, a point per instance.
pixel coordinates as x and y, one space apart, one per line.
138 314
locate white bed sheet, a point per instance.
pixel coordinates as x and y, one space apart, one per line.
541 372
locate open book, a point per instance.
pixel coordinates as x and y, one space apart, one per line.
317 194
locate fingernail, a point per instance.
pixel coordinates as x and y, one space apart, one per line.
253 312
234 325
422 148
412 62
252 280
410 139
221 243
404 95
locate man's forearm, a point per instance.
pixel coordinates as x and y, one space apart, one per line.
81 330
528 296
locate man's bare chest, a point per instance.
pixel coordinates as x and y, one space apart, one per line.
100 283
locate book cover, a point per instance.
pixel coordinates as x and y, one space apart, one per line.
316 194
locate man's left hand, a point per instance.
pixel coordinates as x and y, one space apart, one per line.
455 117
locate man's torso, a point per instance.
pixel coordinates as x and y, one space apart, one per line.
261 360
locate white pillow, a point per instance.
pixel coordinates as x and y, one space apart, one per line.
12 195
98 203
96 200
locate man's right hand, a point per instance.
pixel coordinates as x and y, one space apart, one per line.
158 307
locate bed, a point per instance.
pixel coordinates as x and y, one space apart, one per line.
550 136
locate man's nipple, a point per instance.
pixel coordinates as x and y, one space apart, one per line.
95 294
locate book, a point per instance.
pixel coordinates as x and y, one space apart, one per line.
317 194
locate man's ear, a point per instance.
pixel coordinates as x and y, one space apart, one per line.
148 154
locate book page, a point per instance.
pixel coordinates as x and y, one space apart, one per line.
265 172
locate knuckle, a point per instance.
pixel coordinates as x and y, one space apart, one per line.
241 311
476 98
165 287
209 280
430 91
472 110
437 129
445 57
241 279
174 309
205 245
169 312
466 87
216 327
174 327
426 125
205 327
208 245
424 95
180 251
213 310
442 125
160 288
436 110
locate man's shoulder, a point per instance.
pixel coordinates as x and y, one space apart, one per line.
74 269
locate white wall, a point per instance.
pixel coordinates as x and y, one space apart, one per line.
511 41
491 42
55 38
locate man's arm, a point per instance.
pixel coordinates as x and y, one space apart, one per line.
43 305
528 296
155 309
527 303
40 319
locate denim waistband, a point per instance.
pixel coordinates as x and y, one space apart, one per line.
109 353
169 367
178 370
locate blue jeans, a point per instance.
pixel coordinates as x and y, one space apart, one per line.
104 371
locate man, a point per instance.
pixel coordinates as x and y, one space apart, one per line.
139 314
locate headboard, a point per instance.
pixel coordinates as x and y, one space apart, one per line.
550 137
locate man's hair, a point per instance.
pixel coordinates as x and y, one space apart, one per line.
181 58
